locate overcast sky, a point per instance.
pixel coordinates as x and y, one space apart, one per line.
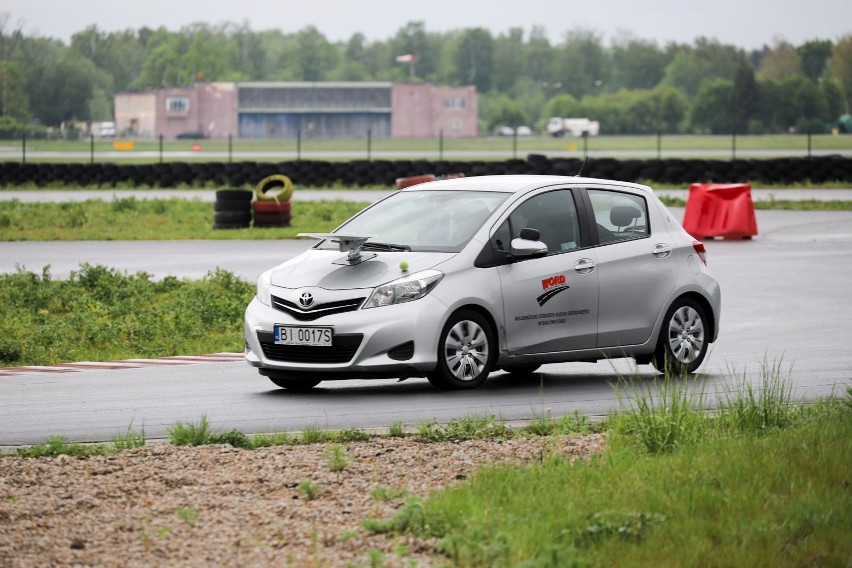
746 23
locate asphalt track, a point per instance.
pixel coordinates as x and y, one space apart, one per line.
786 304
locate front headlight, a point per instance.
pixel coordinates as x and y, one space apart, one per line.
264 288
406 289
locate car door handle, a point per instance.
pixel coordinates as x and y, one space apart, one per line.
584 265
661 250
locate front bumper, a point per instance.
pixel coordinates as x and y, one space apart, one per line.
390 341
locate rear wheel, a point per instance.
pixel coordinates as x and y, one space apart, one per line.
683 339
466 352
294 384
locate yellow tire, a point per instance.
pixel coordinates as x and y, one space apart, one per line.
265 189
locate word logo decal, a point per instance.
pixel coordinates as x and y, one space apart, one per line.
551 287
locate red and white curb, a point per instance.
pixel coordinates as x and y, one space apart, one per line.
123 364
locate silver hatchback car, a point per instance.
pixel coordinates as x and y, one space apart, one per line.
453 279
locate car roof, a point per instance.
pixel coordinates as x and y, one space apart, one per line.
517 183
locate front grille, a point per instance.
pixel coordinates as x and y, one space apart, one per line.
317 311
342 350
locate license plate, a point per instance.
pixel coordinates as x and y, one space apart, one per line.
292 335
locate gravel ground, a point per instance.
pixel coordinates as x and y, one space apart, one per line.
222 506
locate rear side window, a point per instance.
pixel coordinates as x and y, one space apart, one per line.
619 216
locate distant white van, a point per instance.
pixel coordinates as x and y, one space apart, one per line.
106 130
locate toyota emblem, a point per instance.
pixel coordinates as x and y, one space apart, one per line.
306 299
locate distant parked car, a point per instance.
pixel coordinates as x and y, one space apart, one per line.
192 135
523 131
506 131
457 278
106 130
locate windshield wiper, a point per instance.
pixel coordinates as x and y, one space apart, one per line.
370 245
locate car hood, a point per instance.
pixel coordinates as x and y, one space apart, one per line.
317 268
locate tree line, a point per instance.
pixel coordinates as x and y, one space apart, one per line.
631 85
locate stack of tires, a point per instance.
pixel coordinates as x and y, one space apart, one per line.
232 209
272 202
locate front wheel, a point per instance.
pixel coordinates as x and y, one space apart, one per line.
682 344
466 352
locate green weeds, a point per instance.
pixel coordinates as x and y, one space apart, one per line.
761 482
191 433
309 488
100 314
470 428
129 219
335 458
59 445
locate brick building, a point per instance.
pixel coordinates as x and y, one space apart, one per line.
285 110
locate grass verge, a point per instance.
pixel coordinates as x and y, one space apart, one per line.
750 497
99 314
130 219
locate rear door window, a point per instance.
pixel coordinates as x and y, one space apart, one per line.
619 216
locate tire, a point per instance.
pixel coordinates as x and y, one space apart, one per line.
683 339
271 206
281 219
294 384
241 198
466 352
231 206
522 370
232 217
272 182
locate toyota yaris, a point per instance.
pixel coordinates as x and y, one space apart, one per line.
453 279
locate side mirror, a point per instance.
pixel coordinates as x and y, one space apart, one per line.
526 247
530 234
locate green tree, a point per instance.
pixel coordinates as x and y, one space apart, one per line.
500 110
803 105
163 65
671 108
637 63
538 58
509 50
580 64
13 98
315 57
713 108
352 66
565 106
412 39
840 67
531 96
781 62
814 56
474 59
745 99
708 59
61 87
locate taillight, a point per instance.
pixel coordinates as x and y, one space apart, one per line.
700 251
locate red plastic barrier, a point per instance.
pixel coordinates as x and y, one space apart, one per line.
414 180
402 183
720 210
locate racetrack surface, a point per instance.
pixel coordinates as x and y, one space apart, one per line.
786 304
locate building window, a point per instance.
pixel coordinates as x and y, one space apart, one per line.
456 103
456 124
177 105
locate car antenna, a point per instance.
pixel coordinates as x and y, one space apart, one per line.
583 165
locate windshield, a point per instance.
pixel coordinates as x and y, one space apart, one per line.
441 221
